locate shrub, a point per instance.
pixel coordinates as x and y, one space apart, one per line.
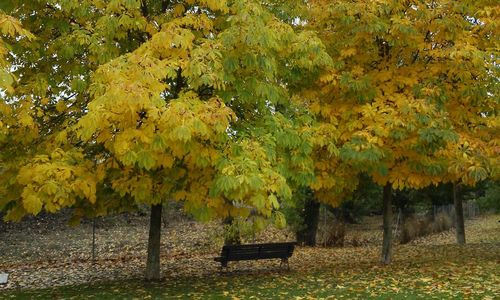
415 227
491 199
237 231
442 222
332 235
412 228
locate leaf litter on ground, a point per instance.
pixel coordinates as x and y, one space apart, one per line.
429 266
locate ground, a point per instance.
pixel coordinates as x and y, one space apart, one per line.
43 254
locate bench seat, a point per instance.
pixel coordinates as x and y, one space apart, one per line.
281 251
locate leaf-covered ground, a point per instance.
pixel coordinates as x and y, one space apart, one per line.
429 267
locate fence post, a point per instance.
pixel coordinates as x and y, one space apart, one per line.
397 223
93 241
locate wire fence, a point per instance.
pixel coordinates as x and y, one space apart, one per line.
470 207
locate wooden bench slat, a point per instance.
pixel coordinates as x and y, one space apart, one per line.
255 252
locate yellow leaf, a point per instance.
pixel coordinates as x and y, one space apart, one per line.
61 106
32 204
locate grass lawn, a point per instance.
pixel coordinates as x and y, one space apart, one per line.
432 267
313 286
439 272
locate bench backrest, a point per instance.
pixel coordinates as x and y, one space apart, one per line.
258 251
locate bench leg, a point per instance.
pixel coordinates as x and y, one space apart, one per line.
284 261
223 265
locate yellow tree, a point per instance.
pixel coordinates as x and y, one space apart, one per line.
49 93
407 76
474 157
185 100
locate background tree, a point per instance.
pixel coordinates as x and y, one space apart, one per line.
468 85
489 196
399 73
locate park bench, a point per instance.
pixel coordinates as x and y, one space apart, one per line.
282 251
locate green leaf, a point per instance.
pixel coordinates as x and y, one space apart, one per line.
181 133
159 143
145 160
274 201
258 201
130 158
279 220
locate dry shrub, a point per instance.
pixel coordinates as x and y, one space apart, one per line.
442 222
357 241
333 235
415 227
408 230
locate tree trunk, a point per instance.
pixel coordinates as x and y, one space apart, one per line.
387 211
307 236
459 215
153 263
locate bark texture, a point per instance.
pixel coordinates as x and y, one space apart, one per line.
307 235
387 211
459 215
153 262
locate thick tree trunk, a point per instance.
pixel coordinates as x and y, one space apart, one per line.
459 215
153 263
307 236
387 211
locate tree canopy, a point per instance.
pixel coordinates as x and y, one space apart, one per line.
232 106
132 102
412 94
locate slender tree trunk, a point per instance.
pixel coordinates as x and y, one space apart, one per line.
153 263
307 236
459 215
387 211
93 240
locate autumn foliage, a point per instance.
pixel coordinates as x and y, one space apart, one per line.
231 106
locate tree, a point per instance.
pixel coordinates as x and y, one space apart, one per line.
138 102
309 217
471 91
52 71
473 158
406 77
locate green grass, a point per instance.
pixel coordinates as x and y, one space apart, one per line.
267 286
444 272
434 270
